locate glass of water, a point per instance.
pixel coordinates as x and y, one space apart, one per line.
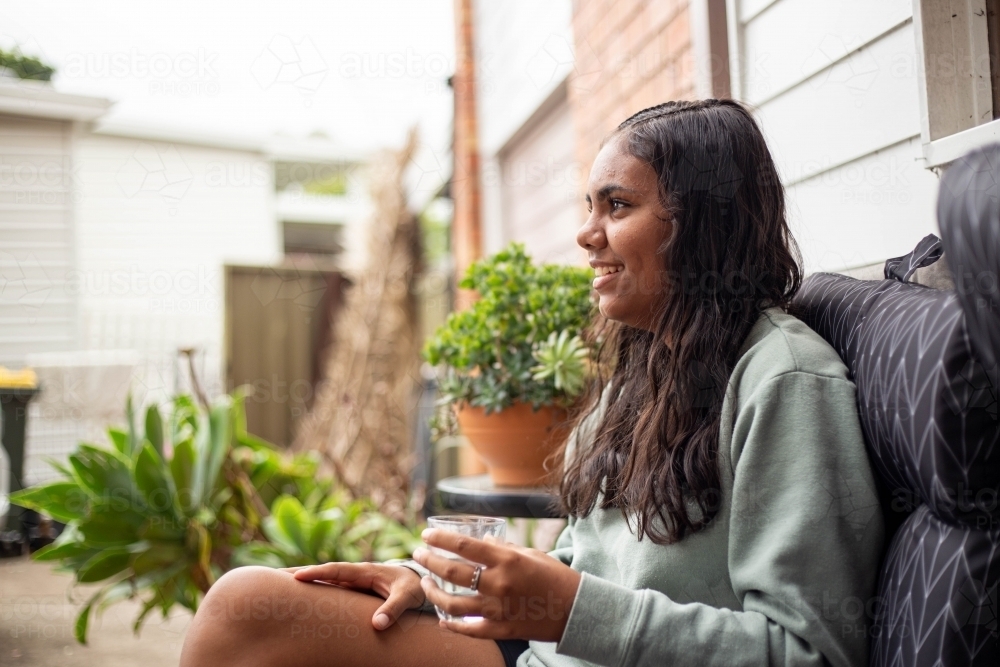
479 527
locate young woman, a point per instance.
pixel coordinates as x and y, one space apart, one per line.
722 508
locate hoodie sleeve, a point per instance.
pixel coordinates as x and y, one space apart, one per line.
563 550
805 533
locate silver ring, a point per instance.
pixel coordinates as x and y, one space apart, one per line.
475 578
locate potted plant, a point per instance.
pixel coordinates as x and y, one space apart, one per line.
169 505
512 363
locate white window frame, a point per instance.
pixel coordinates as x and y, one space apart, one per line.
940 151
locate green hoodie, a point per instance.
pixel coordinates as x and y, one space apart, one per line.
785 573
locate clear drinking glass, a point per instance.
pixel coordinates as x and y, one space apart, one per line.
479 527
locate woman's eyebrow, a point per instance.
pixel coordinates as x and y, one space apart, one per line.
611 188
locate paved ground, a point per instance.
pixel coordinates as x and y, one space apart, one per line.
37 610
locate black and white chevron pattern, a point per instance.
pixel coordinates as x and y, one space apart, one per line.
937 598
925 365
928 406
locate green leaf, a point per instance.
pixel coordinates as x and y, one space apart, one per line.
119 439
211 446
104 472
253 442
133 438
159 556
109 526
182 471
63 551
290 523
262 553
116 592
154 428
163 529
107 563
160 578
184 419
218 445
82 619
147 606
63 501
153 481
323 530
59 466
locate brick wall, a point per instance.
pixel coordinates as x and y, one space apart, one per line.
630 54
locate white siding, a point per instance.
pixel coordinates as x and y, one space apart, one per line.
834 83
157 221
795 39
861 213
524 51
36 237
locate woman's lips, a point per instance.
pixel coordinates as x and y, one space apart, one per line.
602 280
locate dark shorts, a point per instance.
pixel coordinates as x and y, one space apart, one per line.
511 649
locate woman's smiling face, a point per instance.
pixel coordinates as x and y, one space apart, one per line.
627 227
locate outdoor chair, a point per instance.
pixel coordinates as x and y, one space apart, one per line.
925 364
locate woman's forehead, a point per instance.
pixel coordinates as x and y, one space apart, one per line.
615 165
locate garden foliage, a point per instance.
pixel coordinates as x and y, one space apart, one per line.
171 505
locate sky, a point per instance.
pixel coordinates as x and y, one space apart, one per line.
362 72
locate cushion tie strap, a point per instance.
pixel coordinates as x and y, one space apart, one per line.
928 251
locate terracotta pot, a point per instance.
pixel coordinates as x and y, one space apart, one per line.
514 442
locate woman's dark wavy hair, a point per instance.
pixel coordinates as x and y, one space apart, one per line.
730 255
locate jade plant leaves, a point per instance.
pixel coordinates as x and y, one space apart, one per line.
489 351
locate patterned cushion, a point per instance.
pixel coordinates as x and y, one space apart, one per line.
928 407
938 596
925 365
969 214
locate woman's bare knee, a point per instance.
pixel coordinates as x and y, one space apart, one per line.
235 616
261 616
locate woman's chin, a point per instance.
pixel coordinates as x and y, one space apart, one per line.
608 309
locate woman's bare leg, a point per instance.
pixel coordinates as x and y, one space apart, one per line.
259 616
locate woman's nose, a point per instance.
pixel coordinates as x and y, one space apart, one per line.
590 236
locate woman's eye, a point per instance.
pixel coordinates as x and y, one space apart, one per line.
617 205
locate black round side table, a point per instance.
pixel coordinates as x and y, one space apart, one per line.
476 494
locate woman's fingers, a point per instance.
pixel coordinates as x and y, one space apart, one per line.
405 593
469 548
457 572
456 605
358 575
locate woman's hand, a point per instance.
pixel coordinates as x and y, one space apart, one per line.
400 586
523 593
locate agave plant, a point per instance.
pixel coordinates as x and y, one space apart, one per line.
564 358
165 510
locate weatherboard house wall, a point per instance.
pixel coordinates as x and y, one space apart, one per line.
835 86
157 221
112 248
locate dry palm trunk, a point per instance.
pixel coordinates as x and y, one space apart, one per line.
361 420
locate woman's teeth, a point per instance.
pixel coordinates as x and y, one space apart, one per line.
605 270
